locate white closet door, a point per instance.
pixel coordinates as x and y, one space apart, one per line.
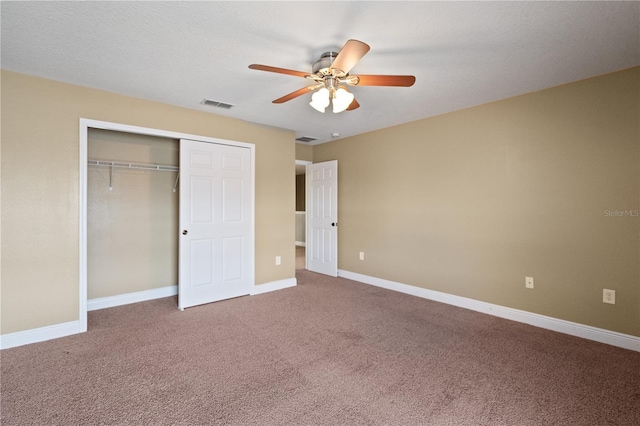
322 217
215 223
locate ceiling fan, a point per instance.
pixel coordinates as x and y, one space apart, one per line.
330 74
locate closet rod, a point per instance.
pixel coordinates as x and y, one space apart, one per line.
141 166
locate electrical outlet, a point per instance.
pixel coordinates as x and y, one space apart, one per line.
361 255
278 260
609 296
528 282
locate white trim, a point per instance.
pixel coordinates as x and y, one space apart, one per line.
82 235
19 338
273 286
613 338
105 125
301 244
125 299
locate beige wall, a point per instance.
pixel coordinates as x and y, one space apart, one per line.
132 230
471 202
40 192
304 152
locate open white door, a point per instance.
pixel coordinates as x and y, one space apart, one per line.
215 222
322 217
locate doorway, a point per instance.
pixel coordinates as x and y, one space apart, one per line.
301 213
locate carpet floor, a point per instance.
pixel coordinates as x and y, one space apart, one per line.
329 351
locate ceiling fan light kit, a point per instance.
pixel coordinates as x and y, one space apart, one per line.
340 98
320 99
331 72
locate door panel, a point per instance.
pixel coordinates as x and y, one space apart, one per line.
232 200
201 206
201 262
322 219
215 203
232 259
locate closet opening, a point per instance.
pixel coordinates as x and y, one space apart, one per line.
132 217
143 228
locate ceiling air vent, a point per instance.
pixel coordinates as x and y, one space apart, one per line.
306 139
218 104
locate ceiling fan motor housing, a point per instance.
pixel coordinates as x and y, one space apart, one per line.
322 65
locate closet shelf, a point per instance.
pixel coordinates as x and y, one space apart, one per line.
141 166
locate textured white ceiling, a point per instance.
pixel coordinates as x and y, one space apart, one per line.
462 53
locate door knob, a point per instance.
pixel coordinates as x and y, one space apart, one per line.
334 223
185 232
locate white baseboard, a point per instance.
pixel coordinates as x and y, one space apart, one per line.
567 327
11 340
125 299
273 286
42 334
301 244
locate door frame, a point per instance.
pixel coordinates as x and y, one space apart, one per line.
85 125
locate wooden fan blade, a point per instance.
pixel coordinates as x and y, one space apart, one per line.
354 105
350 54
278 70
295 94
386 80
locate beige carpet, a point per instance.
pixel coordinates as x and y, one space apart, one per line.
327 352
